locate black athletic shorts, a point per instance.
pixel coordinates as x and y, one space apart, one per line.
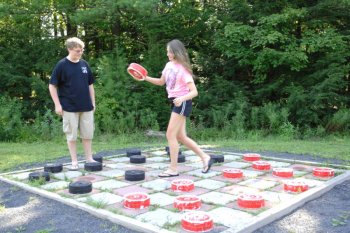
184 109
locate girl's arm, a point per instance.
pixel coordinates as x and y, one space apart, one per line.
193 93
156 81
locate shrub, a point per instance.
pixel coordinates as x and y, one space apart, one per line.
10 118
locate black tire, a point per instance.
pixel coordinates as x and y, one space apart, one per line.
137 159
181 158
93 166
131 152
134 175
80 187
98 158
53 167
37 175
217 158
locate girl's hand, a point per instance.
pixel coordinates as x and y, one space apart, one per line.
178 101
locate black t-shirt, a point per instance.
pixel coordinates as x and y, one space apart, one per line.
72 81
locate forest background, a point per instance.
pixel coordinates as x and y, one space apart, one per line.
262 67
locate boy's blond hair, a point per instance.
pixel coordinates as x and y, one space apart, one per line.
74 42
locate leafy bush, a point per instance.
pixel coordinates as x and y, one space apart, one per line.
11 122
340 122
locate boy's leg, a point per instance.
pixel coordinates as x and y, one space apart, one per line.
70 128
72 147
87 144
86 125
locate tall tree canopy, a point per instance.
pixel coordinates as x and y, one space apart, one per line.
259 64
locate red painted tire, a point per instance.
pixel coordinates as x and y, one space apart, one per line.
283 172
197 221
182 185
295 186
136 200
261 165
137 71
323 172
251 157
232 173
251 201
187 202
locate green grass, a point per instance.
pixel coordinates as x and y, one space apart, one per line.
14 154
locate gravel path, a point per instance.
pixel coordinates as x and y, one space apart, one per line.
27 212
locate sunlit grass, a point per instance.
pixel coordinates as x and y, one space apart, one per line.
14 154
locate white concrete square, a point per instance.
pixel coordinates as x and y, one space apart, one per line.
157 165
159 217
158 159
21 176
237 164
111 173
259 184
232 157
158 184
195 164
158 153
234 219
104 197
109 184
55 185
199 173
251 173
67 175
217 198
278 164
194 159
299 173
209 184
118 165
276 197
161 199
154 173
120 159
237 189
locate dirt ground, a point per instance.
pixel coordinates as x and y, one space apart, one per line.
21 211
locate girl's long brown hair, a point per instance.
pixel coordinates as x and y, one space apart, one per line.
180 54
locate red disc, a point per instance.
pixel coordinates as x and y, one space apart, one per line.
232 173
197 221
261 165
182 185
295 186
187 202
251 157
323 172
250 201
137 71
283 172
136 200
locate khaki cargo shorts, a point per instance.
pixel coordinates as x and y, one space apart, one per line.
84 121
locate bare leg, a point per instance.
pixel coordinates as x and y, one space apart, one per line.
174 127
72 147
87 150
192 145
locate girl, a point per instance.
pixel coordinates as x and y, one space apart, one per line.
178 77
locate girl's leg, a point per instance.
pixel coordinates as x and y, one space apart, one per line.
192 145
174 127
